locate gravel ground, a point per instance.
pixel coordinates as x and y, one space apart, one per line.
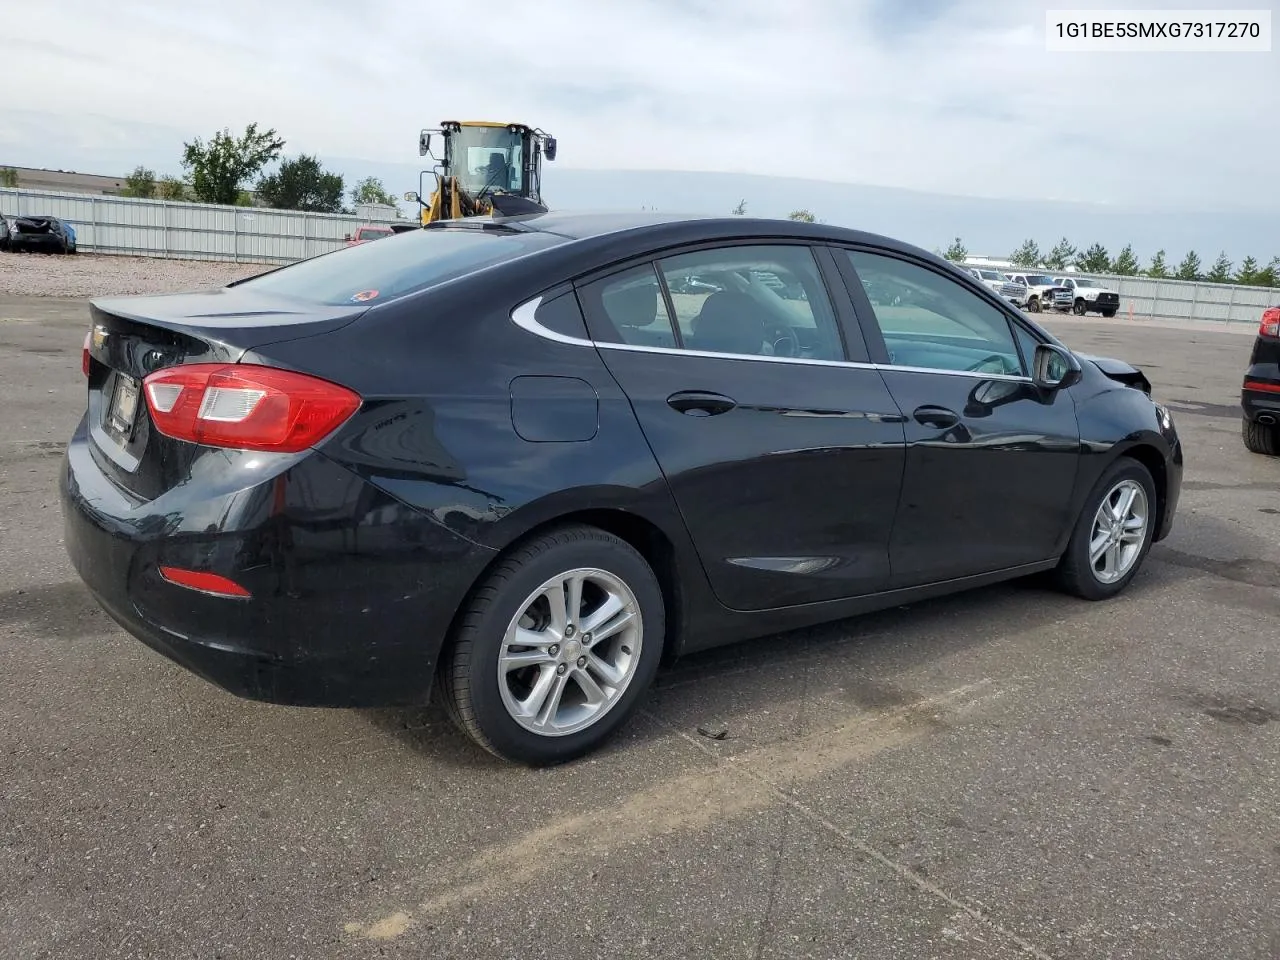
89 275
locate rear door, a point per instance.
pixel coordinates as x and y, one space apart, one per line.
991 461
785 458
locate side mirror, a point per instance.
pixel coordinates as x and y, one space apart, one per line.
1052 367
424 144
550 149
412 196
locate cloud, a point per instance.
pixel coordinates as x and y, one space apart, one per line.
956 96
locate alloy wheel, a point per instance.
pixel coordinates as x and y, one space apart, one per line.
570 652
1119 531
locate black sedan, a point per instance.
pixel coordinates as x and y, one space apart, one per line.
1260 392
525 460
44 234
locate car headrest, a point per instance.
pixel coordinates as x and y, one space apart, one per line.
633 306
730 322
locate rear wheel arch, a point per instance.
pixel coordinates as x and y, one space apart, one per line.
642 534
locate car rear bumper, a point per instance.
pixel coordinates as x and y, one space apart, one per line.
347 609
1260 393
36 240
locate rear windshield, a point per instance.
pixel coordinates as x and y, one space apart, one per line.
397 265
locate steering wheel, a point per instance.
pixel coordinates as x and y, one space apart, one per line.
784 342
996 358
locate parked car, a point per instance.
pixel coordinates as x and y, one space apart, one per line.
497 456
1260 393
1001 284
1043 292
363 234
46 234
1090 296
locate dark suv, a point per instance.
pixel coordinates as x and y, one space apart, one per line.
1260 395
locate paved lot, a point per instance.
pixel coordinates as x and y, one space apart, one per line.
1006 773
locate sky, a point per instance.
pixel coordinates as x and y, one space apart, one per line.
942 97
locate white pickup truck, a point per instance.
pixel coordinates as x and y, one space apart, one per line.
1090 296
1043 292
1001 285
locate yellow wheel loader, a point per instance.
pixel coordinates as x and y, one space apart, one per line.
485 168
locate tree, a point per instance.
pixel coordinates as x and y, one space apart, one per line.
140 183
1248 272
1027 255
1189 268
1062 253
1269 276
8 177
957 252
302 184
1126 263
1220 272
1094 260
804 216
171 188
1158 269
741 209
372 190
220 168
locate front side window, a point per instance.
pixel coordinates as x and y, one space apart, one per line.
756 300
932 322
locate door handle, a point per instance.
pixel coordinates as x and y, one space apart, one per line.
939 417
696 403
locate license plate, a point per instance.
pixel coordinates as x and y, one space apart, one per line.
124 403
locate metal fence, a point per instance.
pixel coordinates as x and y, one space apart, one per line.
190 231
1145 298
198 231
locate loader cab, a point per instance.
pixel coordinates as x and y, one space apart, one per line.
491 158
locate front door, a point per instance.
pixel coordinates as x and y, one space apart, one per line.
785 462
991 460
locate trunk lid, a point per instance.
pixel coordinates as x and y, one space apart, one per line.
132 337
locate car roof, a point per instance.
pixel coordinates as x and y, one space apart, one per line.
675 227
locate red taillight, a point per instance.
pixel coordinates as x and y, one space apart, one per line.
1262 387
1270 326
84 354
246 407
204 581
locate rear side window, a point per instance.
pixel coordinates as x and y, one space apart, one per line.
398 265
628 307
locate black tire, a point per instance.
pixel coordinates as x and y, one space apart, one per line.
1263 438
1075 573
1033 305
1079 308
468 678
1108 313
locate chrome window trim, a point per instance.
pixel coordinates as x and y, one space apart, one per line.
524 316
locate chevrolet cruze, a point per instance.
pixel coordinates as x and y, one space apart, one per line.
525 461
